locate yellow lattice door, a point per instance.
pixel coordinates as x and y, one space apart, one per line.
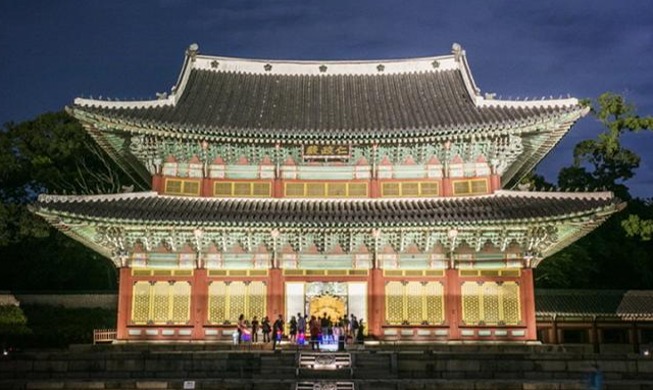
334 307
394 303
414 303
256 296
181 303
160 302
237 294
491 314
434 293
471 303
510 303
217 302
141 302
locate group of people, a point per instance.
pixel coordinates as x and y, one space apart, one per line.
248 331
301 328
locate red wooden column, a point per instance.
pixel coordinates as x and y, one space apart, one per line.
453 303
125 284
157 183
528 302
206 190
495 183
275 294
277 188
376 294
375 189
199 303
446 187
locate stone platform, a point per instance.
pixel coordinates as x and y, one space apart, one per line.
219 366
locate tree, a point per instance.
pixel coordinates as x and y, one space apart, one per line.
49 154
616 255
604 162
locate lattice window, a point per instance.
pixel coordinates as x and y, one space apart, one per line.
217 302
182 187
394 303
256 304
295 189
510 304
180 302
414 312
471 302
227 301
470 187
241 189
491 303
410 189
326 189
414 303
434 293
357 190
161 303
337 189
141 303
237 294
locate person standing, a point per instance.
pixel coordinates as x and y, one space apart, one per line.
301 328
354 327
293 329
240 326
277 332
266 329
314 329
255 326
360 336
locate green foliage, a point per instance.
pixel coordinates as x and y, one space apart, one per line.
56 326
617 254
50 154
13 326
11 315
603 162
638 227
607 258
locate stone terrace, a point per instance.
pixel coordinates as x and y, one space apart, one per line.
420 367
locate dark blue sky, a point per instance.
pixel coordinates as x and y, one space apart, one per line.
54 51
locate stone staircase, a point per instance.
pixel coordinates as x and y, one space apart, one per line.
209 366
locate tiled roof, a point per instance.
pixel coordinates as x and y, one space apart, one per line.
504 206
345 105
631 304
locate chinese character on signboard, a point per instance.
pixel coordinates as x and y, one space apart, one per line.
326 152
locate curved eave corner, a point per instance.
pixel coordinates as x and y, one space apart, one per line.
582 228
530 158
55 220
133 167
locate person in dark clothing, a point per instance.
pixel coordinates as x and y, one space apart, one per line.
314 329
255 325
354 327
360 337
265 325
293 329
240 327
277 332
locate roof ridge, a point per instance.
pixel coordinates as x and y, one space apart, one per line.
46 198
556 194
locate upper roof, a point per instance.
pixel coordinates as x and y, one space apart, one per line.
270 100
632 304
502 206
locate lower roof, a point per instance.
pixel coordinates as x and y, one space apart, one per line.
500 207
631 304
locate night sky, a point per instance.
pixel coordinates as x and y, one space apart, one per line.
54 51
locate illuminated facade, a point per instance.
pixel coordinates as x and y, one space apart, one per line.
378 188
